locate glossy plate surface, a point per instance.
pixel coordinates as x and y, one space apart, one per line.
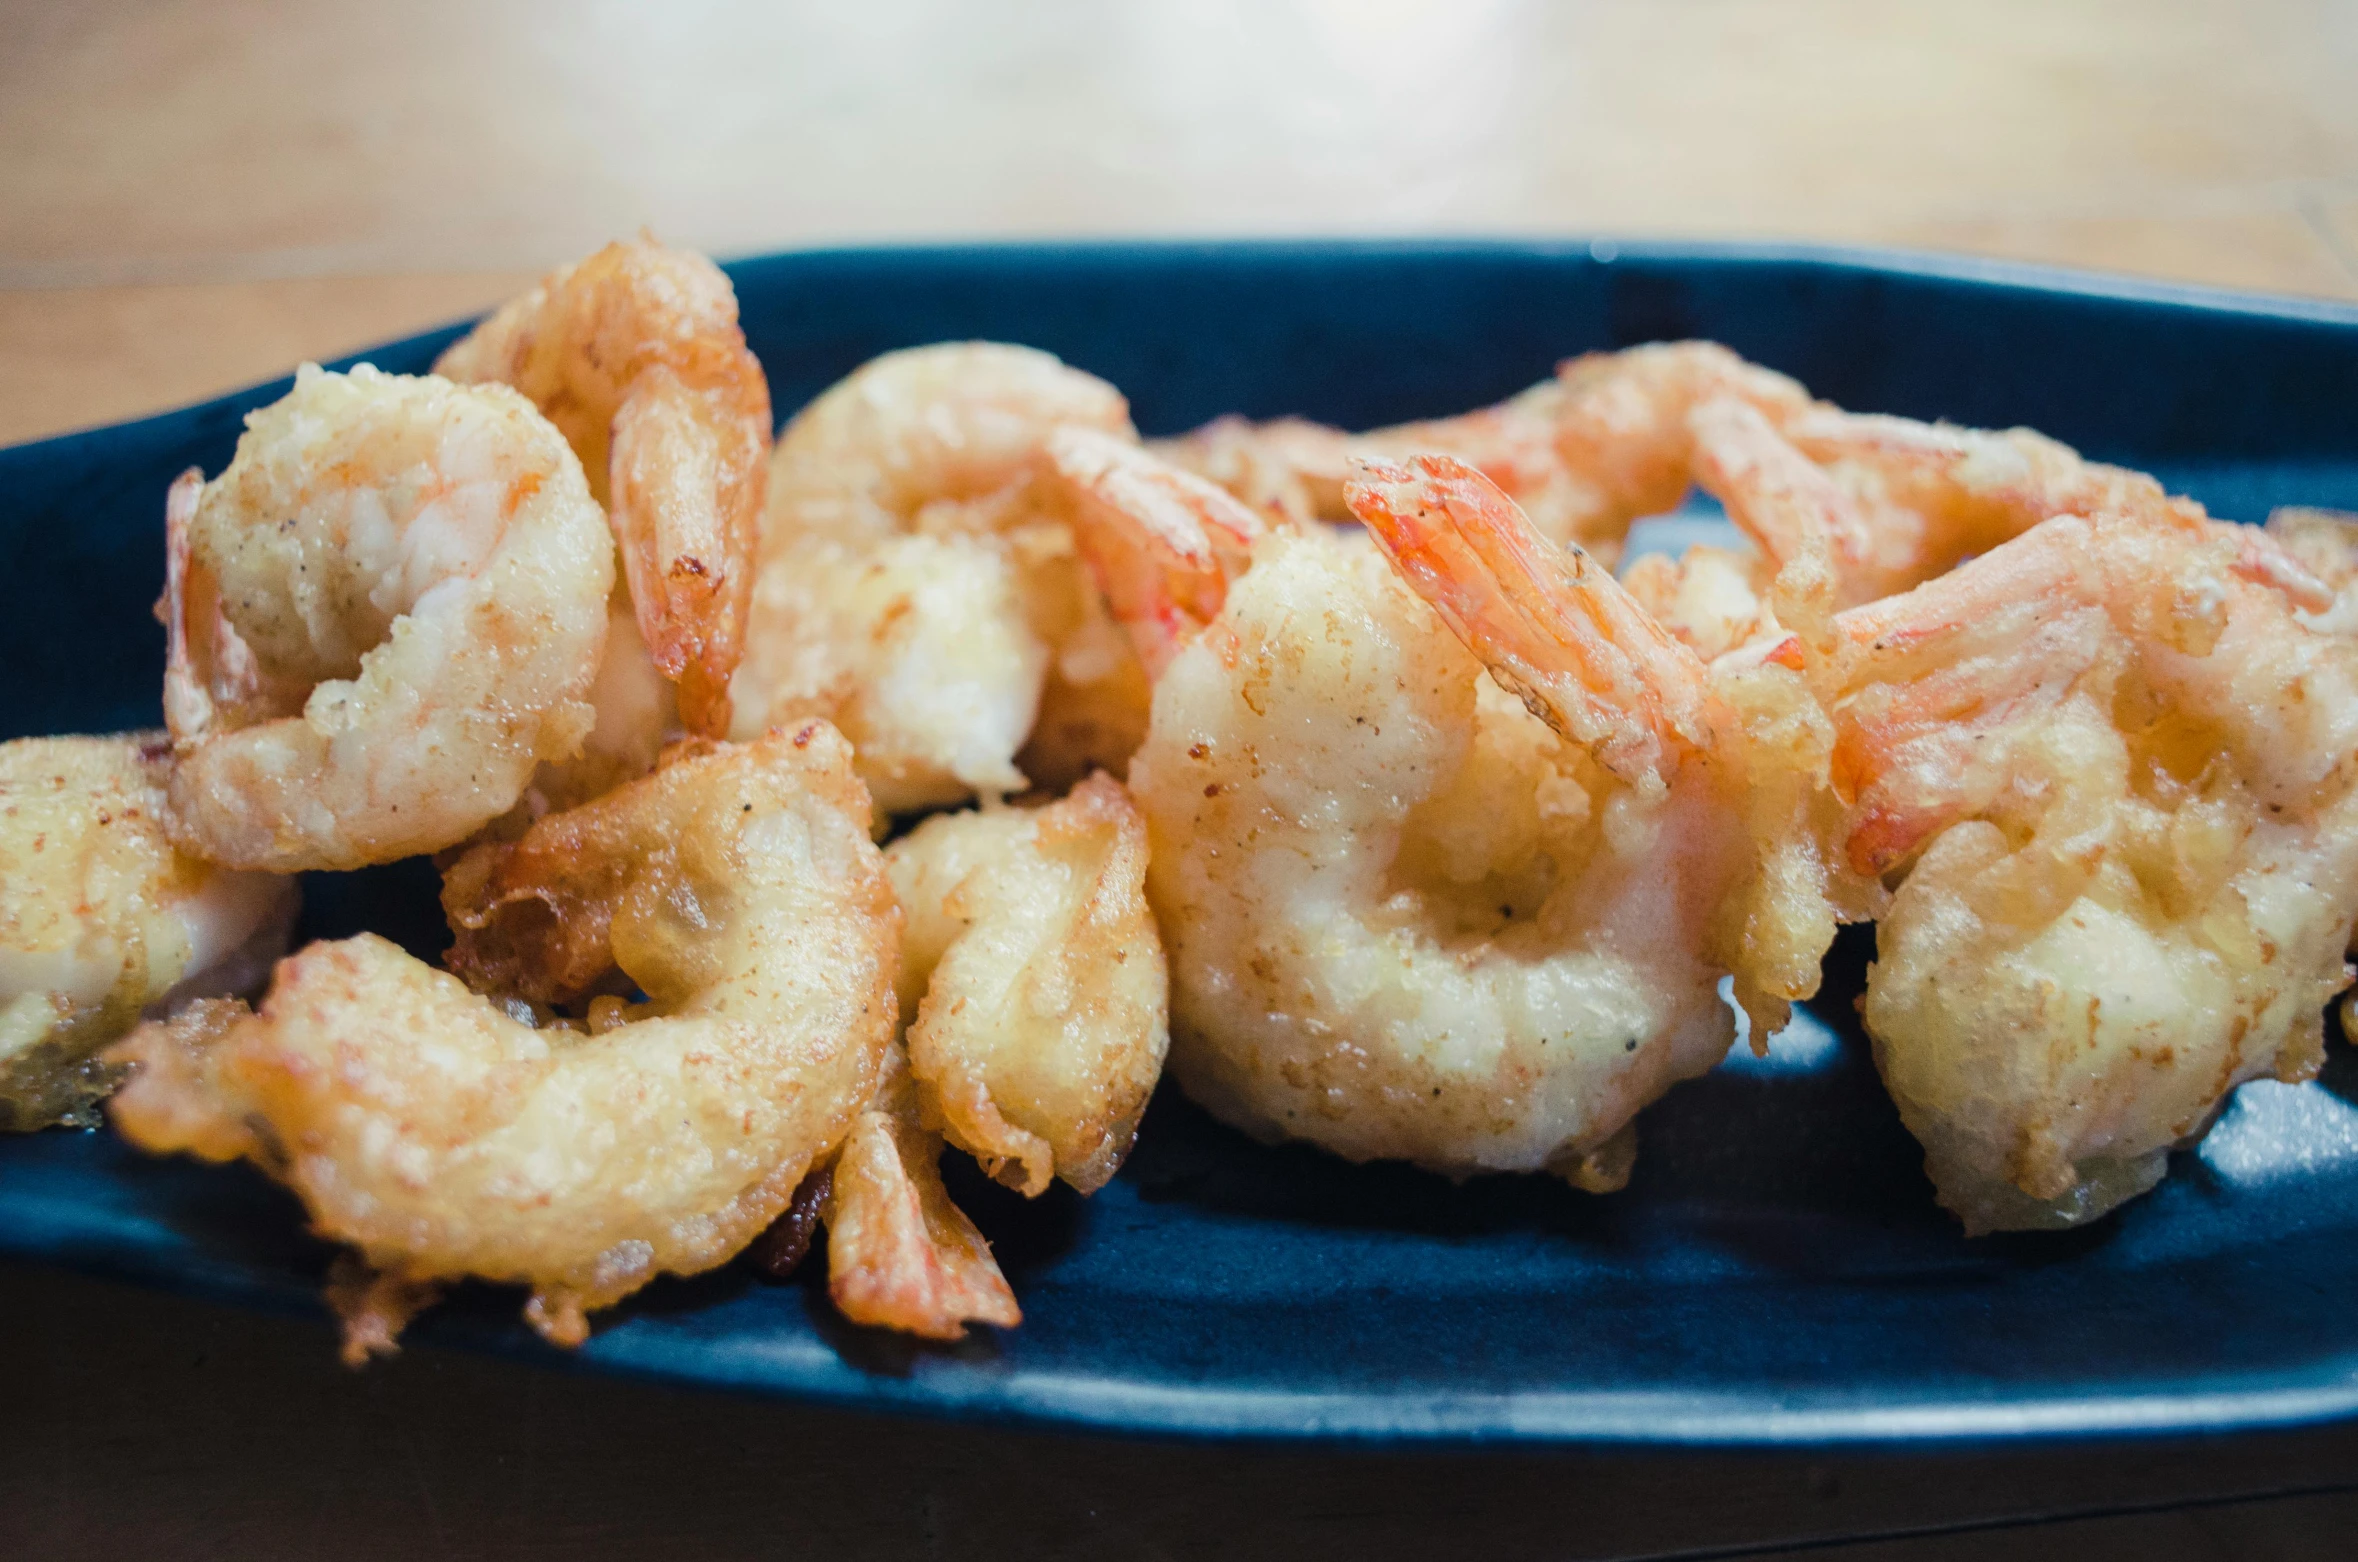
1776 1272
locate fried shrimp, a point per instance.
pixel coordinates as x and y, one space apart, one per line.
1032 983
1405 916
102 916
443 1133
1289 469
1717 600
1845 509
1584 455
919 589
2119 773
382 616
1923 497
1556 631
635 354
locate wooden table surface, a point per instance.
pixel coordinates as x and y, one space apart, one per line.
195 196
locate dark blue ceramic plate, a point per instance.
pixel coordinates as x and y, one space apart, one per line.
1776 1273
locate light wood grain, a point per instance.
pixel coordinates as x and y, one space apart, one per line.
360 170
2267 251
2337 222
77 356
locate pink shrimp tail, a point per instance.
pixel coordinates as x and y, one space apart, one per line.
1162 543
2262 559
188 707
1551 623
1958 661
205 662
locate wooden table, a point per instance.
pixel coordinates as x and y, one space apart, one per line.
195 196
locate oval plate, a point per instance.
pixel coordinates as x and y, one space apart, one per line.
1776 1273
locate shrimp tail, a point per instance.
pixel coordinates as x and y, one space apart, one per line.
1791 509
685 476
2264 560
1162 542
188 703
1997 640
900 1254
207 664
636 355
1552 624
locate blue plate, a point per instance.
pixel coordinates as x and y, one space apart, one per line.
1776 1273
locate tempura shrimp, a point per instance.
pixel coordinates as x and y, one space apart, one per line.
1288 469
1923 497
636 355
1846 508
918 588
102 916
1584 455
1032 983
445 1133
1405 916
1803 524
382 616
1033 994
2119 772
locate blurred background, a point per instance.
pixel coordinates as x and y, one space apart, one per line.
195 194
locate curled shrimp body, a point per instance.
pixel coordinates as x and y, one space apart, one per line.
1032 983
383 615
2116 768
1844 509
1583 455
1288 469
919 589
443 1133
1405 916
635 354
102 916
1922 497
1715 600
1033 996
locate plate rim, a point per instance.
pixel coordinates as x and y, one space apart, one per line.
1076 1404
1998 275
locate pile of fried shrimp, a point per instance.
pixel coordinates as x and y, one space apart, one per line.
925 776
